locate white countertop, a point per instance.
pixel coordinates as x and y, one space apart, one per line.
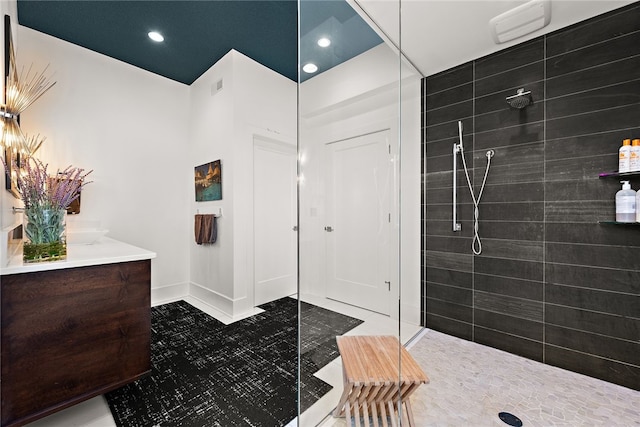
104 251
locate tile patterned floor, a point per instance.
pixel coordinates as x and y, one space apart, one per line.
470 384
95 412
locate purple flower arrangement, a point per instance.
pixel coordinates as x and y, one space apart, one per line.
40 191
46 200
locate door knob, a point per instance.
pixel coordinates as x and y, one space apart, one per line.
328 229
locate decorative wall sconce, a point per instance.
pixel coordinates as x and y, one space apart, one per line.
20 91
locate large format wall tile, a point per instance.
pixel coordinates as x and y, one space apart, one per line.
516 230
509 268
449 294
594 31
601 301
460 312
582 146
551 284
508 286
588 79
600 98
599 367
513 325
450 326
596 344
614 257
524 133
622 117
599 323
512 343
527 250
586 276
607 51
514 307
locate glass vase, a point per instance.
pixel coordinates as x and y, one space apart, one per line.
44 235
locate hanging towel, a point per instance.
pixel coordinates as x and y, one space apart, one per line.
205 229
213 236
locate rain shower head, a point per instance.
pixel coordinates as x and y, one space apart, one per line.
520 100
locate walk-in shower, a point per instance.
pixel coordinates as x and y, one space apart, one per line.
476 245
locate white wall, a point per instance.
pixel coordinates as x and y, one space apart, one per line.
266 106
357 97
142 135
130 127
211 137
254 100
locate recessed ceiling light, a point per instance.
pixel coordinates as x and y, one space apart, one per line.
310 68
324 42
155 36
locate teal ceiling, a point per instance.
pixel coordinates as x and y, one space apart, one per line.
199 33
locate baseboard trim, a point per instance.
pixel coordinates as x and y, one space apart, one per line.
170 293
212 298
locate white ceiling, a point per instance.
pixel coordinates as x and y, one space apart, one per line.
441 34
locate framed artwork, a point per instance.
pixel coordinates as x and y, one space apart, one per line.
74 207
208 181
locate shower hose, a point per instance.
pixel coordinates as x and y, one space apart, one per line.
476 244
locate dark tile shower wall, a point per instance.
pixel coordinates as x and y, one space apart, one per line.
551 283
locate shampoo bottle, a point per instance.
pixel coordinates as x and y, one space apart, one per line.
634 156
624 156
626 203
638 206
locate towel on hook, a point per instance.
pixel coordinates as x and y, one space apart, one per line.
205 228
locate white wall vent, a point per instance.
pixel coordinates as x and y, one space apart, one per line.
521 20
216 87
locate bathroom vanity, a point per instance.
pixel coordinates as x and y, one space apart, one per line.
73 329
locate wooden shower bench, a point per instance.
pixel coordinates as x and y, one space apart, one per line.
374 384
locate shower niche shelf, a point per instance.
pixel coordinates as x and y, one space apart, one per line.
632 224
616 174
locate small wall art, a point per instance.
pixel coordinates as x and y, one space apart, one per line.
208 181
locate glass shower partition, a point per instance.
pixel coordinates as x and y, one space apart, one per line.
354 91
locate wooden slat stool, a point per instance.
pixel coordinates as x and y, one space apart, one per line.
373 382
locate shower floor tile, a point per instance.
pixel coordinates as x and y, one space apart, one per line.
471 383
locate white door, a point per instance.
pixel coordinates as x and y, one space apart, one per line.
275 240
359 215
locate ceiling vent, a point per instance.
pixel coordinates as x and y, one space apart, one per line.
521 20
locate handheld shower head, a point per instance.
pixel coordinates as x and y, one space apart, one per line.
520 100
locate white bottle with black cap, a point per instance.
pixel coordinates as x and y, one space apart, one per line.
626 203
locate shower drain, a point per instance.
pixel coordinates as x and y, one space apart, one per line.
510 419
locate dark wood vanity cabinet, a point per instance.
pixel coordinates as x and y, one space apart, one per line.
72 334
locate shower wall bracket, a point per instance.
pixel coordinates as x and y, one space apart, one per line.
457 148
